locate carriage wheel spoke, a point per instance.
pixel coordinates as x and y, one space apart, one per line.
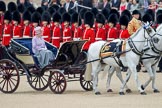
39 82
84 84
13 79
2 81
3 85
42 81
36 81
12 82
7 85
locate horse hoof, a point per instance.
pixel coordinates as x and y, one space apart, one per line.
129 91
109 90
142 87
143 93
97 93
156 91
121 93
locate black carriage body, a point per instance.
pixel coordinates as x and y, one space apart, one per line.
71 58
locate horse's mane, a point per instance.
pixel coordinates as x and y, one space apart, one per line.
136 32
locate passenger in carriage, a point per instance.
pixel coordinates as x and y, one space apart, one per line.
89 33
27 32
112 31
35 18
101 31
56 37
135 23
67 33
7 31
39 48
46 19
2 11
78 33
17 29
124 23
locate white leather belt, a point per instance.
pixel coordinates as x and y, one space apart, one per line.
6 35
55 37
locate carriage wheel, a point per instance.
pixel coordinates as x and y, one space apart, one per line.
38 81
86 85
9 76
57 82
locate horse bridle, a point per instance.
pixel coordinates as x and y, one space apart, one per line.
132 45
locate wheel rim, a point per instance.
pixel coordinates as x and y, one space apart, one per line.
86 85
9 76
57 82
39 81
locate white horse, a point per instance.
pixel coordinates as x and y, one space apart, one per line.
150 60
134 46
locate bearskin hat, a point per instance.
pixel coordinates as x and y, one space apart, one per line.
136 12
11 7
124 20
127 13
61 11
31 9
2 6
151 12
71 11
40 10
89 18
36 17
105 12
158 12
114 11
94 11
46 17
27 15
113 18
159 19
8 16
100 18
51 10
66 17
16 16
55 6
147 18
21 8
76 18
82 12
56 17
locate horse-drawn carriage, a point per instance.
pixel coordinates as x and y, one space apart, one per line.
69 65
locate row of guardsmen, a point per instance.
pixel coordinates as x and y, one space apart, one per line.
61 26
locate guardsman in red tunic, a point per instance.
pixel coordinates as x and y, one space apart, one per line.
101 31
56 35
2 10
67 33
124 20
112 32
105 12
89 33
81 14
7 31
76 21
46 31
27 32
35 19
21 10
17 30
